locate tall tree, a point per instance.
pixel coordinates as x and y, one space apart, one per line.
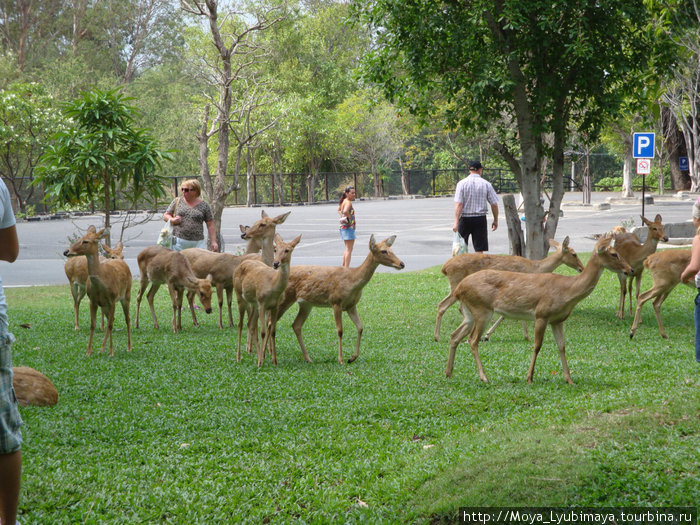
100 153
551 66
239 48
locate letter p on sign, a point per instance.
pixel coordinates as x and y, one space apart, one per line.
643 146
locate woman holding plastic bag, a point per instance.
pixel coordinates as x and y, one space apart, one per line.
186 215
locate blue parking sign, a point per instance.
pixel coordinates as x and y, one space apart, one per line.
643 146
683 164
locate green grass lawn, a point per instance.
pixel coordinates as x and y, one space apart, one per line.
178 432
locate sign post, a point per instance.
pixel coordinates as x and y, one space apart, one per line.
643 150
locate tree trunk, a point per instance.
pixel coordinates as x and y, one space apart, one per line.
675 148
105 180
404 179
515 231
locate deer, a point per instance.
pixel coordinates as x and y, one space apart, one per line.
666 268
336 287
261 234
465 264
33 388
159 265
222 265
259 289
635 252
548 299
76 270
108 282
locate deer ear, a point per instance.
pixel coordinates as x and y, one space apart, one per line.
119 246
243 228
281 218
296 240
210 277
657 218
553 244
372 244
278 238
263 214
92 229
565 242
644 219
390 240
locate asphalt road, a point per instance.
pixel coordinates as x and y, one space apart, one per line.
423 228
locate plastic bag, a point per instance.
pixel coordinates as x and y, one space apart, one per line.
165 238
458 244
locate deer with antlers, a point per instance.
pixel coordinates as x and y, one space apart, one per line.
458 267
665 268
635 252
76 269
336 287
259 290
548 299
108 282
160 265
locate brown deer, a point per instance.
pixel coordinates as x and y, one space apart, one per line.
458 267
76 269
33 388
336 287
544 298
262 233
108 281
634 252
259 289
666 268
221 267
160 265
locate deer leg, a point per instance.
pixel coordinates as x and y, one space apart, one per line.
623 290
93 317
297 325
540 326
493 327
151 294
263 314
142 288
253 315
241 316
273 332
220 299
657 312
442 308
558 331
641 300
338 317
355 317
457 337
78 292
479 324
190 302
127 319
108 312
229 297
180 295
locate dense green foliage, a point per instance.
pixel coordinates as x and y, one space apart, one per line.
178 432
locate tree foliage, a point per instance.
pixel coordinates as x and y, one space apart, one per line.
546 67
101 151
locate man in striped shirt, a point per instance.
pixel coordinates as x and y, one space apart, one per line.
472 196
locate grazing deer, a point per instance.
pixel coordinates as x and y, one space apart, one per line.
259 289
666 268
108 281
458 267
33 388
337 287
261 234
221 267
76 269
160 265
544 298
634 252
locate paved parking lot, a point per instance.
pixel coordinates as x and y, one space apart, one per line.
423 228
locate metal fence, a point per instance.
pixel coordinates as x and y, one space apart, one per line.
265 188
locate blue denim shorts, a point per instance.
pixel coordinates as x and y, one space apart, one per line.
347 234
10 420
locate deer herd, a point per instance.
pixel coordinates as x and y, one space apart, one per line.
266 285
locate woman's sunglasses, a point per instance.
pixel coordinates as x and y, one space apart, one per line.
186 189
